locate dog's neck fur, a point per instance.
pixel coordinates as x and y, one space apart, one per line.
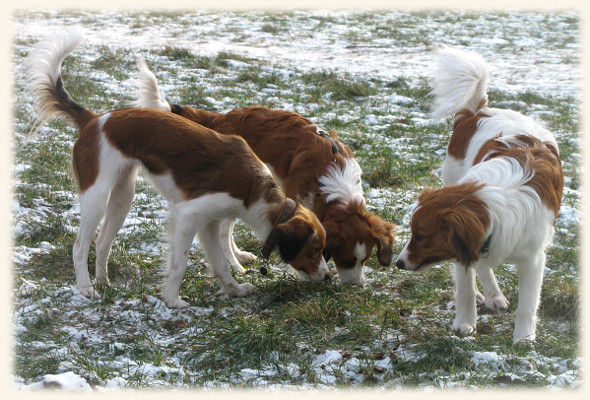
261 215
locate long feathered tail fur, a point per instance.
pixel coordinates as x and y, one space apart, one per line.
44 81
461 81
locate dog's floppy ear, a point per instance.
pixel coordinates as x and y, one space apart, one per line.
465 233
382 232
293 234
334 238
384 251
464 254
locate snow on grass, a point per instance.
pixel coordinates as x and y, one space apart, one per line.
311 44
68 381
374 66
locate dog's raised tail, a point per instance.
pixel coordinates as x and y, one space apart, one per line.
44 81
148 91
460 82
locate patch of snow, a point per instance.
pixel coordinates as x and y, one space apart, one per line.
568 216
67 381
398 99
485 357
371 120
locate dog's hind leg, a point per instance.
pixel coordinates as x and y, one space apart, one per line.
182 228
93 203
530 280
210 236
118 207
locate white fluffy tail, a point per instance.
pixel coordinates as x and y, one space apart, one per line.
148 92
43 77
461 81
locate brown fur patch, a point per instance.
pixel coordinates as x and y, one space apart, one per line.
534 155
200 160
85 156
490 149
283 139
544 160
548 178
464 127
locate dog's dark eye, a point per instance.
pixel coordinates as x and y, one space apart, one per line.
419 238
317 250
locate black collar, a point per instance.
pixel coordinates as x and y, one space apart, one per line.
287 211
335 146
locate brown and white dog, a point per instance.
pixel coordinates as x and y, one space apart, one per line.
205 177
310 164
504 185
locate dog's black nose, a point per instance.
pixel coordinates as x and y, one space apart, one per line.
400 264
328 276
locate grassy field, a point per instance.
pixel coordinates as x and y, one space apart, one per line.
395 331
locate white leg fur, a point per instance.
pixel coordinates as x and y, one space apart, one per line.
202 216
92 206
494 299
182 229
93 203
243 257
210 236
465 289
530 280
226 239
114 186
351 275
233 254
118 207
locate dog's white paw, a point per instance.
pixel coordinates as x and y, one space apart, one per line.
464 327
497 302
238 268
89 292
523 339
238 290
102 278
479 298
524 332
175 302
245 257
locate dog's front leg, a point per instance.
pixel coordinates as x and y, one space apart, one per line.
494 299
210 237
226 228
465 290
530 280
